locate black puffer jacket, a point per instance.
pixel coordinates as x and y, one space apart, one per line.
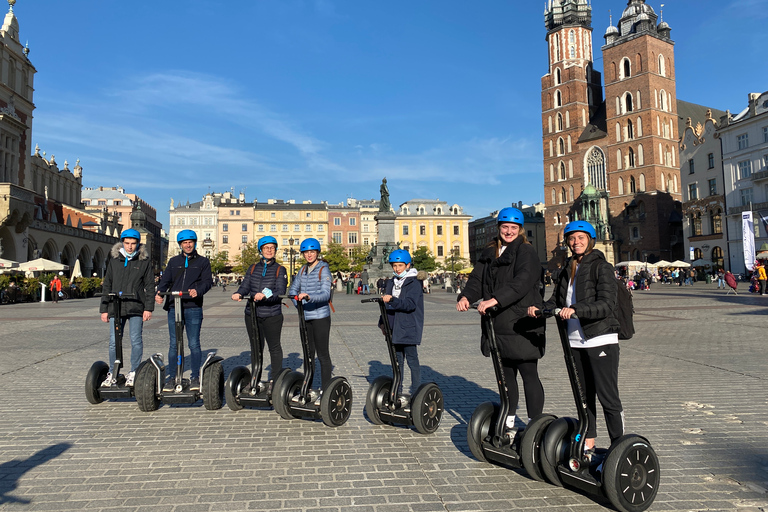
256 279
135 278
514 280
178 277
594 302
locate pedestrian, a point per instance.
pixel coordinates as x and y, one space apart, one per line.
265 282
190 273
761 277
404 297
364 280
55 287
721 279
313 285
507 280
587 307
129 273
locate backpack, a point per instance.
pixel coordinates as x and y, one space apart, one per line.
624 308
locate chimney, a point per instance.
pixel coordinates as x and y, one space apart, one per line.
753 96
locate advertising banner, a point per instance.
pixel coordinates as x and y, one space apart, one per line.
748 233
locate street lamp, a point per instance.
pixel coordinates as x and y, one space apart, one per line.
292 252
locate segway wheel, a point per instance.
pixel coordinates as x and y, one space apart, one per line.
479 427
213 386
287 385
427 408
145 387
377 398
631 474
555 448
237 380
96 375
530 445
336 403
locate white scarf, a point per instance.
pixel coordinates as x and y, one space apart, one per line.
398 282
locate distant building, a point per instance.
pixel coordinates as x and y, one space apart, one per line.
202 218
745 170
344 226
368 209
434 224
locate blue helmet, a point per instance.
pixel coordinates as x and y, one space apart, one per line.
186 234
310 244
267 240
580 225
400 256
130 233
510 214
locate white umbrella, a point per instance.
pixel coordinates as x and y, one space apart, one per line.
6 264
678 263
662 263
701 263
631 263
76 271
42 265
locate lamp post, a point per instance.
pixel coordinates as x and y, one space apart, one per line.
291 253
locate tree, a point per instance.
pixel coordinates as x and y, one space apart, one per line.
219 262
336 257
247 257
423 260
359 253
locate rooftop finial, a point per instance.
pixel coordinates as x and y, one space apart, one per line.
11 4
661 13
26 50
610 18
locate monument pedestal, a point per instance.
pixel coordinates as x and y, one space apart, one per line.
379 266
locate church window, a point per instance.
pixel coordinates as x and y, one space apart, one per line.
639 63
621 186
663 182
563 197
662 66
619 159
557 47
553 196
632 187
559 122
557 219
638 101
562 171
551 172
596 168
572 52
558 76
626 68
639 126
571 37
615 76
630 157
663 100
567 119
570 193
628 102
618 106
551 150
642 182
558 99
560 146
549 122
630 130
640 156
569 144
570 168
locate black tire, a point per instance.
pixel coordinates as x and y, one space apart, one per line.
336 403
427 408
286 386
213 386
555 448
530 445
631 474
145 387
479 427
96 375
377 398
237 380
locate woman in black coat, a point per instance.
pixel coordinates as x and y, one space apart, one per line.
587 288
507 277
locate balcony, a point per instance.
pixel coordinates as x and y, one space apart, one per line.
760 175
736 210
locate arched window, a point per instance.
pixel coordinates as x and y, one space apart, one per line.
558 220
563 197
570 193
572 52
621 186
632 187
618 132
628 102
662 66
554 196
639 63
571 36
558 99
642 182
619 159
631 157
551 172
640 156
717 257
560 146
663 100
696 224
630 130
663 183
569 144
557 47
639 126
716 221
596 168
558 76
559 122
570 168
626 68
567 119
562 171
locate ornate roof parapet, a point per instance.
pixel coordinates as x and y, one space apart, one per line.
567 12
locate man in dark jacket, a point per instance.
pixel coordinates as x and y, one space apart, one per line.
191 273
128 271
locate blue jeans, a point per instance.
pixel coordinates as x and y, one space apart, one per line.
365 289
409 353
193 320
720 282
136 325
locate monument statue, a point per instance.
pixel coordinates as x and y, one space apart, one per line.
384 204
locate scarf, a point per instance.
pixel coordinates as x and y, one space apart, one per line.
128 255
399 281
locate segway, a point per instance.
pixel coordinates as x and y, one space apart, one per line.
487 434
95 393
382 404
150 377
293 396
627 473
244 388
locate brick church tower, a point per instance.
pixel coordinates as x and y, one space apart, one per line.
625 146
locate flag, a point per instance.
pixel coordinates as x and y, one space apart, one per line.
748 232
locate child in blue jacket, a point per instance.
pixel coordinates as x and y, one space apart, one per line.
404 297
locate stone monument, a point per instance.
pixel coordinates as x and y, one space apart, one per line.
377 261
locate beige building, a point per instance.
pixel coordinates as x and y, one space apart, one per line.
202 218
235 225
288 220
368 209
434 224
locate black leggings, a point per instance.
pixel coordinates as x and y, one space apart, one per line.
318 336
270 328
598 369
534 391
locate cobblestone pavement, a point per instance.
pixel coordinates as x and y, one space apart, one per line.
693 380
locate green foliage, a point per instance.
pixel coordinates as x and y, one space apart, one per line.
89 284
336 257
5 280
246 258
359 253
423 260
31 286
219 262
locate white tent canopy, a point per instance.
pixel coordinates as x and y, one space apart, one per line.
6 264
678 263
663 263
42 265
631 263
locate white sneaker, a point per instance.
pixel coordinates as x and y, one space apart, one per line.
510 423
129 379
108 381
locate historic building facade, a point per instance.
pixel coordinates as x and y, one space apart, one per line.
624 146
344 226
202 218
434 224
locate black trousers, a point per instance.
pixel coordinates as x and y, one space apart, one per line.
598 370
270 328
534 391
319 334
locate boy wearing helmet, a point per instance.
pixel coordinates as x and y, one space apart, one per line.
593 336
129 270
191 273
265 281
313 284
404 296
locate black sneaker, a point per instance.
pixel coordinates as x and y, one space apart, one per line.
170 384
194 384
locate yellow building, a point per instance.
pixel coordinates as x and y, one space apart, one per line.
434 224
288 220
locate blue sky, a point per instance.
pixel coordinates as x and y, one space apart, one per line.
320 99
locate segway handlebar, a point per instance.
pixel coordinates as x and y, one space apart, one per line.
121 295
173 294
548 313
291 297
492 309
372 299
